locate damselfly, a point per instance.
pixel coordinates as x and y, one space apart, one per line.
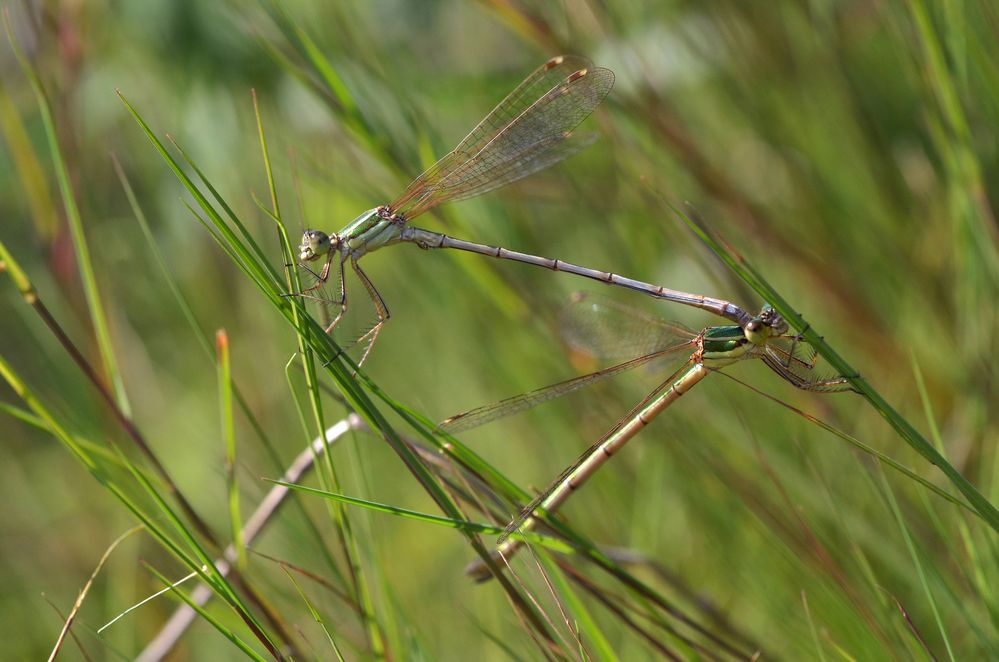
529 130
604 328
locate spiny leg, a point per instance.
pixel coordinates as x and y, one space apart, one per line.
316 277
323 275
380 309
342 302
320 279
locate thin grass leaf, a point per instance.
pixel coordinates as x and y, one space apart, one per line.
460 524
152 523
31 297
34 183
98 452
230 386
229 439
24 416
152 246
858 444
87 278
918 563
912 630
341 369
327 473
248 244
819 652
905 430
253 528
86 589
300 411
588 628
262 275
214 578
316 616
211 620
978 569
342 101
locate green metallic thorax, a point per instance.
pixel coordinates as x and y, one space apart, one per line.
368 232
724 345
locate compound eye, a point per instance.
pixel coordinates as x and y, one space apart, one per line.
317 239
754 331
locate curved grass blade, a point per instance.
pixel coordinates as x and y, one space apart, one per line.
748 274
74 219
450 522
344 373
210 618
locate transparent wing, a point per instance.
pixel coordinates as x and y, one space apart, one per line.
542 156
541 80
481 415
795 361
604 328
599 327
509 143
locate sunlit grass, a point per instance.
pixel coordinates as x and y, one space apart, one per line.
843 153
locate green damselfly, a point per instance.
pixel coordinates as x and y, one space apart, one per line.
528 131
605 328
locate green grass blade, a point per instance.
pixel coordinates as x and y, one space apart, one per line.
859 445
211 620
902 427
202 338
327 469
917 562
452 523
29 168
88 279
341 370
316 616
583 619
819 651
151 522
978 569
229 438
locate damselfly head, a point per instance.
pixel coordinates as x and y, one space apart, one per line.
768 324
316 244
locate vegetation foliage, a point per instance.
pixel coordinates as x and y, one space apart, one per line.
161 394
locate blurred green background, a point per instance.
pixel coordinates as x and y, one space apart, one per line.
846 149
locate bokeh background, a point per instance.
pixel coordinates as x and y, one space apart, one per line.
846 149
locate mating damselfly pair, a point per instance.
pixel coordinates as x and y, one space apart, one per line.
531 129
